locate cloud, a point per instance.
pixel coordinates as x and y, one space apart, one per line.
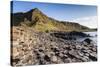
90 21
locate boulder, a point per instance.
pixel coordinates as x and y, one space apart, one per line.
93 56
88 41
54 59
47 58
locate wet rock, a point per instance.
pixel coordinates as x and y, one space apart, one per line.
93 56
88 40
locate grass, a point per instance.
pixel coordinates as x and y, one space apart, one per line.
44 27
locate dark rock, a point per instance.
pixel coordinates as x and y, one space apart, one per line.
88 40
41 62
83 50
84 58
40 50
55 49
69 35
93 56
16 60
47 58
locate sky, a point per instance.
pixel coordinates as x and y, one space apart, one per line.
83 14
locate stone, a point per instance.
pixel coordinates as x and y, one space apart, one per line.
94 49
84 58
93 56
15 52
80 53
64 57
78 47
60 54
41 54
84 51
47 58
86 54
54 59
16 60
72 54
88 40
40 50
74 60
86 48
68 60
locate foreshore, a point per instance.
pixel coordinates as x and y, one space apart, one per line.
40 48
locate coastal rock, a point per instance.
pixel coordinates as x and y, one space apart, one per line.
93 56
85 59
54 59
80 53
73 54
47 58
40 48
88 41
68 60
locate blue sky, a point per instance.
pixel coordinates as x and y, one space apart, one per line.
63 12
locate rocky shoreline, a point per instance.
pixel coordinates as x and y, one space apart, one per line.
39 48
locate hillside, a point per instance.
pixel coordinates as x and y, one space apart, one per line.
41 22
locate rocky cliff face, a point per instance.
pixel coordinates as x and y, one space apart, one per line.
39 21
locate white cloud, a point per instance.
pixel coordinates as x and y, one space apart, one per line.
90 21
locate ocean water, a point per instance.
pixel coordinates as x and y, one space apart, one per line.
94 37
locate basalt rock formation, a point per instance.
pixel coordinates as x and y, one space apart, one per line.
39 48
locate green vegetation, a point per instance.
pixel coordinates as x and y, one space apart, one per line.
39 21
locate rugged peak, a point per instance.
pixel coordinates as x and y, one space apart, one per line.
35 15
35 10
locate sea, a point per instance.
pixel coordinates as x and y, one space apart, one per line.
93 37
